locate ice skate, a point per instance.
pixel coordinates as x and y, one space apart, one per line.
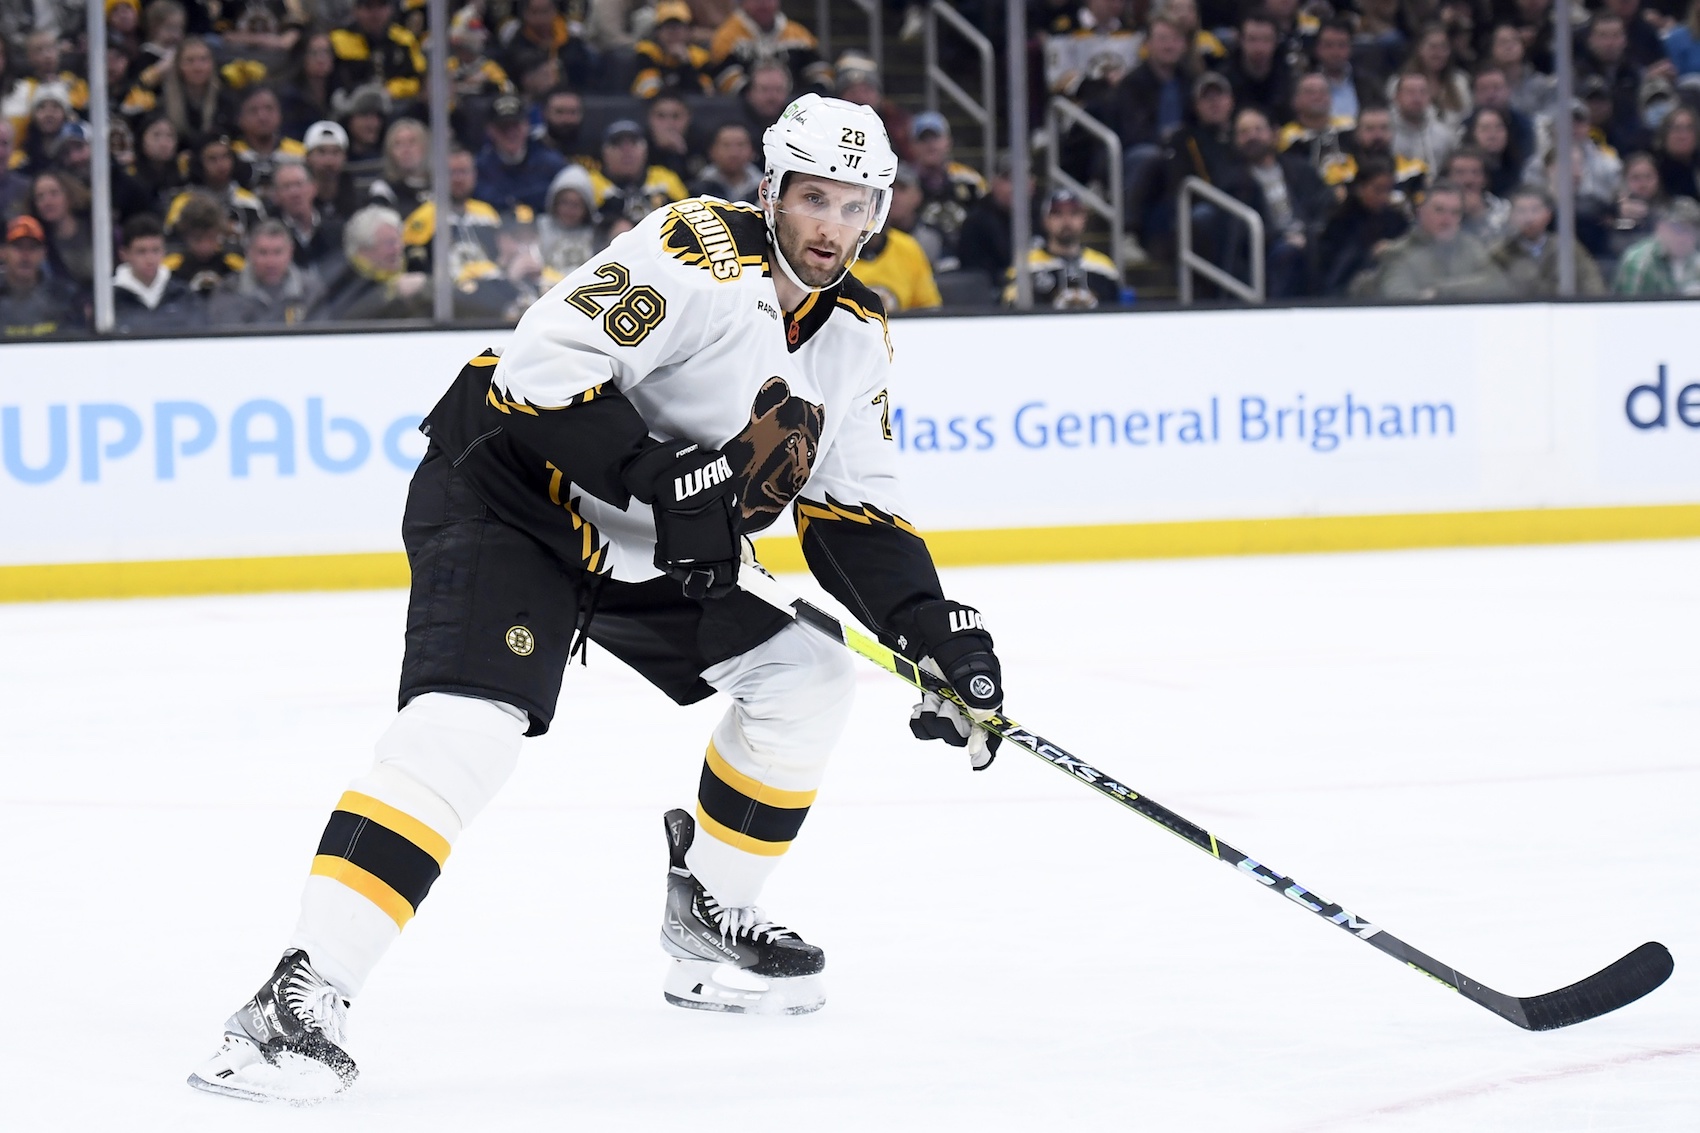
730 959
285 1043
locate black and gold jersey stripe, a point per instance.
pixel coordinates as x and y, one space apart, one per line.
893 568
384 854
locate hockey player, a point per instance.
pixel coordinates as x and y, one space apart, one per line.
711 367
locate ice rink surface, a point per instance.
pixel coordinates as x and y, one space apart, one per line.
1495 754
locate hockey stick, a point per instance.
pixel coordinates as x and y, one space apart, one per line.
1614 986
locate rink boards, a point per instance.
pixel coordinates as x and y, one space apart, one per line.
281 463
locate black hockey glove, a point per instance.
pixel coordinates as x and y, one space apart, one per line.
950 640
696 514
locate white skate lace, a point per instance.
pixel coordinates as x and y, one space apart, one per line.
314 1002
744 921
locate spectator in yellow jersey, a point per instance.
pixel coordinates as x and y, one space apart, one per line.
262 142
473 224
193 96
1316 132
377 49
201 228
896 268
212 169
44 67
164 24
757 30
1374 138
668 60
1203 48
1066 274
948 188
472 73
627 184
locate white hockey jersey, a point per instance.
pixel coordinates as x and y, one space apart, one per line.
680 316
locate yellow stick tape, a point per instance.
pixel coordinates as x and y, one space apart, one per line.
949 548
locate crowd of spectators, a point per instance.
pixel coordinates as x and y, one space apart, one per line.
270 158
1396 148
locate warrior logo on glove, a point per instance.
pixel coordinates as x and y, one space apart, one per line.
950 640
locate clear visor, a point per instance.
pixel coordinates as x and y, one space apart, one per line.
855 207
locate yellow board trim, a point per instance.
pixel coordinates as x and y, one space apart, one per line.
368 885
399 821
59 581
739 841
1303 535
755 788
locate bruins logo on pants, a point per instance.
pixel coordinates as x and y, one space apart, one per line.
774 452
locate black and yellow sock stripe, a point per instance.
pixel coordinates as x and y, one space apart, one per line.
385 855
745 812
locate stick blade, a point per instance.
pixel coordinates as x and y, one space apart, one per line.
1617 985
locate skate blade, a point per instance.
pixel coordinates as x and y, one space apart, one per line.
703 986
241 1070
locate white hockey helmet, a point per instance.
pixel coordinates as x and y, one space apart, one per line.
831 138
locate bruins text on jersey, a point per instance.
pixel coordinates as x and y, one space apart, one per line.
594 481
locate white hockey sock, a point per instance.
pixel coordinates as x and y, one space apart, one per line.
744 822
791 697
439 763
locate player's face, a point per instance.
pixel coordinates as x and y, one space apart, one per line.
820 222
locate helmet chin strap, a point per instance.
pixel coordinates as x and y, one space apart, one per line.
770 212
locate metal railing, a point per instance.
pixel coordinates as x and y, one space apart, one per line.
1059 117
1189 261
876 30
983 110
